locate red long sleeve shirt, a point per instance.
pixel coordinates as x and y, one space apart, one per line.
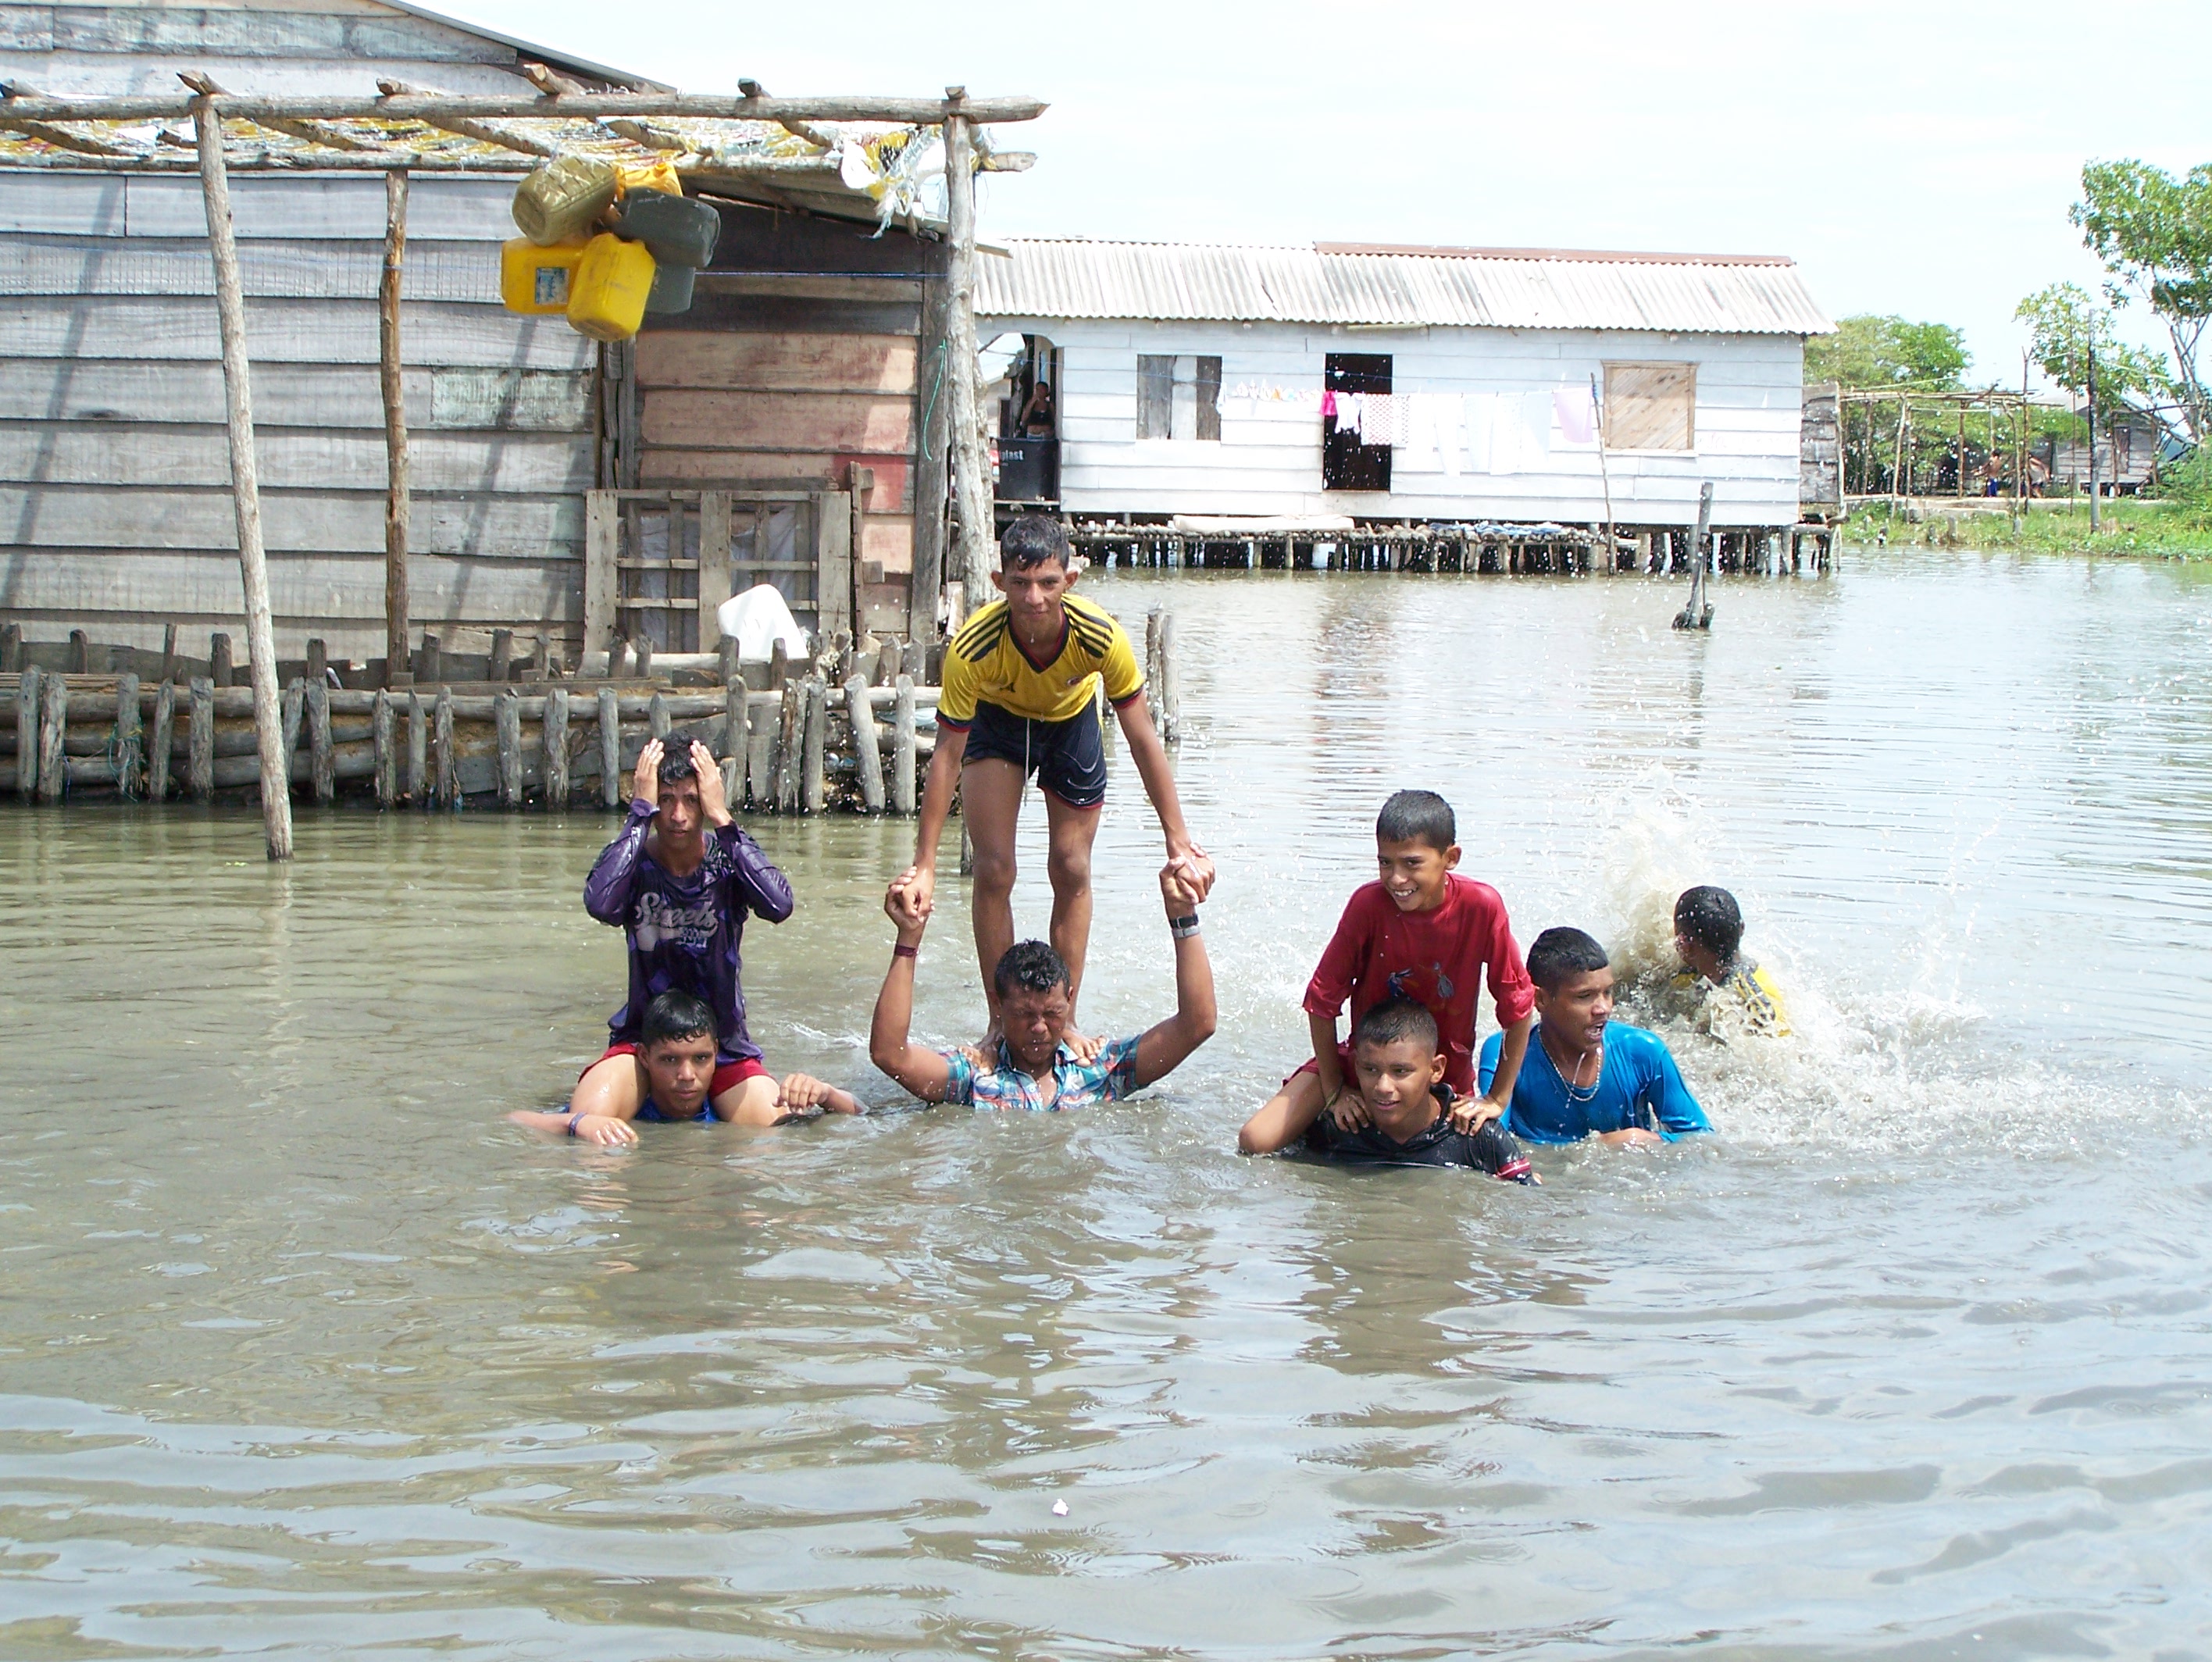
1437 959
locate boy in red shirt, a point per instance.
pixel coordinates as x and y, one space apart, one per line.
1422 932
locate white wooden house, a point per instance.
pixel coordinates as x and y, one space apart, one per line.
1192 380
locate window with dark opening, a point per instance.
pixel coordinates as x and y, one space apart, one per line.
1346 463
1178 397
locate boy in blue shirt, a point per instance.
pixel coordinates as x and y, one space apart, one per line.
1587 1075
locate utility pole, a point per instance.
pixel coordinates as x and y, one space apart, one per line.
2093 424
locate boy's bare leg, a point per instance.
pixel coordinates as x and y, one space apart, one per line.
1074 830
991 803
1284 1117
613 1086
750 1102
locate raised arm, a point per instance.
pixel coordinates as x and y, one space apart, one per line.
759 886
916 1067
1152 759
1163 1048
607 891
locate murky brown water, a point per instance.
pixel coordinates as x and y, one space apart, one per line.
306 1352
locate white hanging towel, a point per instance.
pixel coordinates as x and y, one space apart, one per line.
1444 412
1419 445
1480 409
1347 413
1575 414
1537 429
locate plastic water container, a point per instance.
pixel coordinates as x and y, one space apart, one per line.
563 198
606 300
679 231
650 174
759 618
671 290
536 281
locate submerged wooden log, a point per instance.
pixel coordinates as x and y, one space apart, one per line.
554 742
130 758
53 736
610 748
1171 713
325 782
902 746
866 757
199 754
157 748
387 758
294 711
506 741
27 735
448 785
418 750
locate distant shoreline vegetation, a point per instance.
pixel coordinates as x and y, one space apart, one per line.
2178 527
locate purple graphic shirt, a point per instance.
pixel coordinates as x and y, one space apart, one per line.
682 932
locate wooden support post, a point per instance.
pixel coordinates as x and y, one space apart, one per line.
294 712
714 586
902 747
617 656
27 735
130 761
169 651
382 736
244 483
778 665
219 666
397 670
553 740
971 486
787 743
865 751
887 663
1170 712
726 652
610 779
502 655
760 756
80 653
319 662
1697 614
925 485
506 741
602 547
914 661
813 787
158 743
434 659
199 756
322 762
11 648
418 750
53 738
656 717
737 706
642 648
448 777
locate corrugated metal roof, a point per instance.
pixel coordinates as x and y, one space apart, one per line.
1495 289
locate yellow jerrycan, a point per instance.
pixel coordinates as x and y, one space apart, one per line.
606 299
536 281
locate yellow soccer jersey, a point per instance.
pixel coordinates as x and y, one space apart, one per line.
1746 1002
985 664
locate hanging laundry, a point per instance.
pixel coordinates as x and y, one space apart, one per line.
1446 409
1329 408
1576 415
1383 418
1419 444
1536 425
1350 417
1480 409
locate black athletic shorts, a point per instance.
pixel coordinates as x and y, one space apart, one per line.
1068 757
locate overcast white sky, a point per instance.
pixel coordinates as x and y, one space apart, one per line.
1913 158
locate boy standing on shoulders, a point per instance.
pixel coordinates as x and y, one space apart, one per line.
675 1061
1033 1067
1591 1076
1424 933
1398 1069
1016 700
677 882
1726 987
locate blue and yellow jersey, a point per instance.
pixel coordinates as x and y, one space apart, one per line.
985 665
1746 1002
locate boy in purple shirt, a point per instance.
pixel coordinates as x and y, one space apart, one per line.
679 881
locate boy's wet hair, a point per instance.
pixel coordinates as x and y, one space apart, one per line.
1031 540
1394 1021
1417 817
676 761
675 1015
1557 954
1032 965
1711 917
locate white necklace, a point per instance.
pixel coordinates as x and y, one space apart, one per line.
1575 1094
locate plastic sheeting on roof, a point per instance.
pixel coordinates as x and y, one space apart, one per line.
1191 282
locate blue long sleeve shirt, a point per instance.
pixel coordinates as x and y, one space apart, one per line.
1637 1085
683 933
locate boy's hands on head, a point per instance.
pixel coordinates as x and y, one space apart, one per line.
647 786
713 798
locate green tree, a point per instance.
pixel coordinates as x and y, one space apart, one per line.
1867 351
2072 341
2153 233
